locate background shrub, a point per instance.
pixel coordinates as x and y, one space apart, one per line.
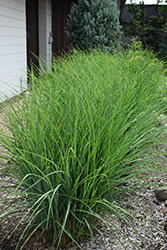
163 45
136 22
85 130
94 24
149 33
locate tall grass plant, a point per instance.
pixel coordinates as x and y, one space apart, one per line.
85 130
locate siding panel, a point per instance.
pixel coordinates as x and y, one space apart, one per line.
12 45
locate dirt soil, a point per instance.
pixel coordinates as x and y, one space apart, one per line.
143 238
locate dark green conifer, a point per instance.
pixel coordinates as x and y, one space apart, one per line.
163 45
137 25
94 24
150 33
155 29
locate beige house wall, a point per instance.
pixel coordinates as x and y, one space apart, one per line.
13 58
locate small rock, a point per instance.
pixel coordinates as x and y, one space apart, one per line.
166 203
157 202
161 194
165 226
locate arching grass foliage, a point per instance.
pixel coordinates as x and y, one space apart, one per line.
84 131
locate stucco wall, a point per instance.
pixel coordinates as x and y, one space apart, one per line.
13 58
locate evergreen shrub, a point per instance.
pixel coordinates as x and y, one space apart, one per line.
150 33
94 24
163 45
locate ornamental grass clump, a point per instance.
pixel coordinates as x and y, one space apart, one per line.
85 130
